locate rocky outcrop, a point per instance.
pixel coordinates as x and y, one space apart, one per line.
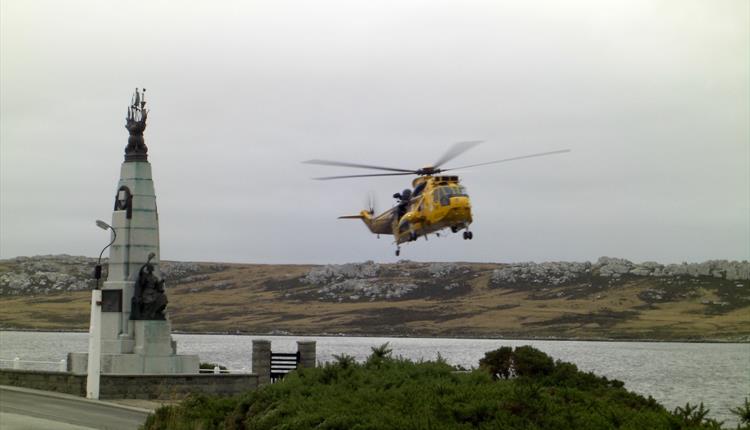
607 266
338 272
356 289
561 273
45 274
555 273
441 270
372 281
723 269
177 272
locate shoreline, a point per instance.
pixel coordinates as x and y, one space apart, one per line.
416 335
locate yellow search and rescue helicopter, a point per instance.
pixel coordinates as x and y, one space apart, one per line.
437 202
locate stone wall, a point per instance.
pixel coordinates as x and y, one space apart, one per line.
61 382
133 386
174 386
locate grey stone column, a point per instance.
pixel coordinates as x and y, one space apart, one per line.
262 360
306 349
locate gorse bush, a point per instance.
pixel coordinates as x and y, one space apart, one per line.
344 360
524 361
379 355
196 412
743 413
528 362
499 363
211 366
513 389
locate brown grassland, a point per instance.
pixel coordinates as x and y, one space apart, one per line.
249 298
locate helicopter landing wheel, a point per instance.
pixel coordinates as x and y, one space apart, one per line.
468 235
398 252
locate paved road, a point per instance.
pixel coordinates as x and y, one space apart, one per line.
21 408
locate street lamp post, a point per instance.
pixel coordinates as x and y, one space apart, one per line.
95 326
98 269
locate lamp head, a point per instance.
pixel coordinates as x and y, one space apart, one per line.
103 225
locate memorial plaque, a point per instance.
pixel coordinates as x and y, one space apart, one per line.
111 300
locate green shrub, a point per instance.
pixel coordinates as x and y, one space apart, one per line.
344 360
529 361
197 412
211 366
499 363
379 355
504 363
743 413
394 393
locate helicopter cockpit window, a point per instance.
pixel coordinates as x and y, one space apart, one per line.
436 193
443 194
419 188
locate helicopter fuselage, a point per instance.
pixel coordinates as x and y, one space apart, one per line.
437 203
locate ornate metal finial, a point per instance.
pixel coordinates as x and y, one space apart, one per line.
135 122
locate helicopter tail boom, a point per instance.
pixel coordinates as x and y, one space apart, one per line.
364 215
370 222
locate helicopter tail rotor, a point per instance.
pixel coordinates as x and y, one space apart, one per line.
371 203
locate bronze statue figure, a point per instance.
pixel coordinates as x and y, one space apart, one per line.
149 299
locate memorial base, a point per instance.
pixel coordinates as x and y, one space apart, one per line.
135 364
129 364
154 352
153 338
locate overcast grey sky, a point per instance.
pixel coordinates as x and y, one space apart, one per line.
651 96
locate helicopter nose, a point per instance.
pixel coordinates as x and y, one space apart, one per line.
460 211
461 202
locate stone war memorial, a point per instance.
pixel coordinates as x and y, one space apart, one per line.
131 350
135 333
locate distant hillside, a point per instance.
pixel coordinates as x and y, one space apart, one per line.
612 298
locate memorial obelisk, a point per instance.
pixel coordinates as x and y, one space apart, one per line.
135 329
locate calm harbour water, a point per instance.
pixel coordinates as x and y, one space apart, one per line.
673 373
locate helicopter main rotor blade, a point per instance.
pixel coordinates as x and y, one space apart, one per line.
541 154
456 150
360 166
326 178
